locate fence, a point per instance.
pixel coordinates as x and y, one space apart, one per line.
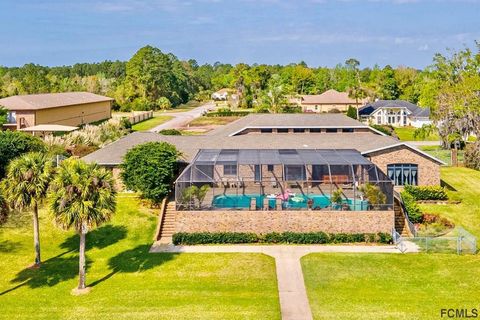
137 116
460 242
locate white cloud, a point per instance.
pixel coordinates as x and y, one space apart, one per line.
423 47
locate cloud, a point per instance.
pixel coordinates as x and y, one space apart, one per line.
424 47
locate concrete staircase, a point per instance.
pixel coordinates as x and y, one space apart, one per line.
167 224
401 224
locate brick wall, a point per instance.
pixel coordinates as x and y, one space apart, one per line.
428 170
280 221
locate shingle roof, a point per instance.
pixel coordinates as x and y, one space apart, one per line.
413 108
50 100
289 121
113 153
329 97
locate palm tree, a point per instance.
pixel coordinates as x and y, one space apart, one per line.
25 187
82 197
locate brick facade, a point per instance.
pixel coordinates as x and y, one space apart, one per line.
281 221
428 170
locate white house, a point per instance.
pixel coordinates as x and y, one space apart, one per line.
397 113
221 94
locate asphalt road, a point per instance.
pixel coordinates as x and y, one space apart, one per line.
180 119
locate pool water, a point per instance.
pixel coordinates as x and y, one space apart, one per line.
319 201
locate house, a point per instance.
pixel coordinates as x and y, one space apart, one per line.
68 109
221 94
287 172
329 101
397 113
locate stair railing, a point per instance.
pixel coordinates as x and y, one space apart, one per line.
411 226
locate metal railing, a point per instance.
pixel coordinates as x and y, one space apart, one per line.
411 226
459 242
398 241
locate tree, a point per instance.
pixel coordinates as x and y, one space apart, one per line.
14 144
355 91
3 116
82 197
274 99
3 209
25 187
352 112
150 169
163 103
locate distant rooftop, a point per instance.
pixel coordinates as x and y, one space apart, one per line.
50 100
330 97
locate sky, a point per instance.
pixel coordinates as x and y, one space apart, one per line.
318 32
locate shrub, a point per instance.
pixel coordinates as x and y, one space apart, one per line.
427 192
3 209
150 169
388 130
472 156
226 112
170 132
352 112
334 110
413 210
374 195
14 144
274 237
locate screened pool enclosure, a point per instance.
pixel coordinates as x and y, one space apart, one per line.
285 179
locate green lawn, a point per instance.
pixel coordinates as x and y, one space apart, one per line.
390 286
406 134
466 182
150 123
208 121
442 154
127 281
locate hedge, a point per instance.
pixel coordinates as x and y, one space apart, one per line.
274 237
413 210
227 113
427 192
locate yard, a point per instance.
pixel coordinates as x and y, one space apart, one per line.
211 121
389 286
150 123
128 282
406 134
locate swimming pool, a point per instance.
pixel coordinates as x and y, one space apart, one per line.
300 201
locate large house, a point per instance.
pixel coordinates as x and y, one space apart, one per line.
287 172
329 101
397 113
67 109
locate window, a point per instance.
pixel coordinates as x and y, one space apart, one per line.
282 130
298 130
295 173
12 117
347 130
266 130
258 173
230 169
331 130
402 174
270 167
379 119
315 130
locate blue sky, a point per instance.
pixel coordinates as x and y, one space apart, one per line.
319 32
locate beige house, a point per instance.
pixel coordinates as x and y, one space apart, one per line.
70 109
329 101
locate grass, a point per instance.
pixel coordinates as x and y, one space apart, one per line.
128 282
442 154
406 134
150 123
183 107
209 121
390 286
466 188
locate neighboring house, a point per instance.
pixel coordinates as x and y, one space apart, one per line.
397 113
221 94
70 109
329 101
280 172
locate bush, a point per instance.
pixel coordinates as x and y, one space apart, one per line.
472 156
14 144
150 169
227 112
413 210
170 132
334 110
275 237
427 192
352 112
388 130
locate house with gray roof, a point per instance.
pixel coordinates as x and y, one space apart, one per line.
285 172
397 113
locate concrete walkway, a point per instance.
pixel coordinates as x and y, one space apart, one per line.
294 303
181 119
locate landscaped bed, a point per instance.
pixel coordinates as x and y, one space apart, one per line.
128 282
390 286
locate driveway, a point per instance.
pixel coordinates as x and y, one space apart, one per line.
180 119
